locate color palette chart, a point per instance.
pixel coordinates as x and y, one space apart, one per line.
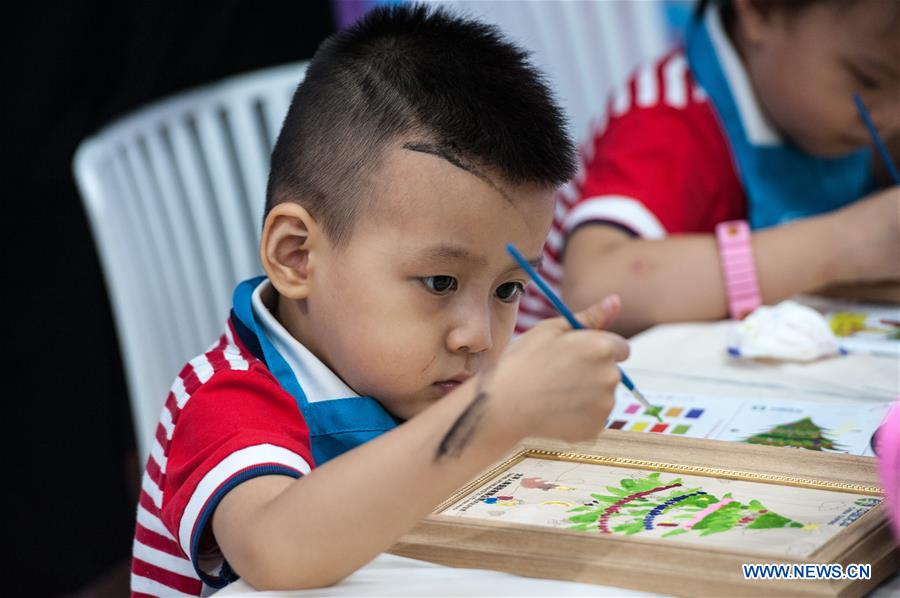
832 427
681 415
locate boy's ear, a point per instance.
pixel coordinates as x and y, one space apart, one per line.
290 236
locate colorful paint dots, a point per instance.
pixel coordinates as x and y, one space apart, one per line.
661 419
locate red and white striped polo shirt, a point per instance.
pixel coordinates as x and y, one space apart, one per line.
225 420
657 164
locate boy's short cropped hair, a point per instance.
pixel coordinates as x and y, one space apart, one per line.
451 83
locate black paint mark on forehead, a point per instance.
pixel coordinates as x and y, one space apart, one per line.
454 158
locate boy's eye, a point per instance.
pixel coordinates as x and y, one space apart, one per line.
440 285
867 82
510 291
864 78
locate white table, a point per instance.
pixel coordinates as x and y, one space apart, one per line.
396 576
675 358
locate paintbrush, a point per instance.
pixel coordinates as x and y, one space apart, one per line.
570 317
879 144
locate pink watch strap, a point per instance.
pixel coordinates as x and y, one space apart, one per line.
738 267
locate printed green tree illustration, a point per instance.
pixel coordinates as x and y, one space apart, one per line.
803 433
650 503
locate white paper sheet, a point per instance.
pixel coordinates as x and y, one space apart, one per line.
828 427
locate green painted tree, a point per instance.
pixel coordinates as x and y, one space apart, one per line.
650 502
803 433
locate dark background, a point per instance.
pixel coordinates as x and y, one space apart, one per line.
68 69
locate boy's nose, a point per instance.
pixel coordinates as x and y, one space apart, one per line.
471 335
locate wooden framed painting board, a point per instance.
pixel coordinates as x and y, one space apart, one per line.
665 514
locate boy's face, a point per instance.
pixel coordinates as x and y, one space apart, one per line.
805 67
424 294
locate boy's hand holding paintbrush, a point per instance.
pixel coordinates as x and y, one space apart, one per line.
574 404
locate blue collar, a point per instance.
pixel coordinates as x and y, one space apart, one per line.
335 425
781 181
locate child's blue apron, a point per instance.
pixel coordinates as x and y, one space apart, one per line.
781 181
335 426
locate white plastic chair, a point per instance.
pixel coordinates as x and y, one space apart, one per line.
174 194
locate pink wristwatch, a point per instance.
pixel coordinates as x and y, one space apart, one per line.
738 267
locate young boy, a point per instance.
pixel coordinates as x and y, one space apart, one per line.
365 378
752 121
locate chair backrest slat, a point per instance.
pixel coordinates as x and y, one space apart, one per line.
162 253
133 307
201 207
252 157
216 145
193 281
140 247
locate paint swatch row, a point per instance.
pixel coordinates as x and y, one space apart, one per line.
643 426
654 410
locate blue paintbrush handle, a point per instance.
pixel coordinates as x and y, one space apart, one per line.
565 311
879 144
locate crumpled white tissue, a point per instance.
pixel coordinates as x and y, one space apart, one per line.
787 331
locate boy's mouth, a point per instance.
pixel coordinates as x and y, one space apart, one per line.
446 386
